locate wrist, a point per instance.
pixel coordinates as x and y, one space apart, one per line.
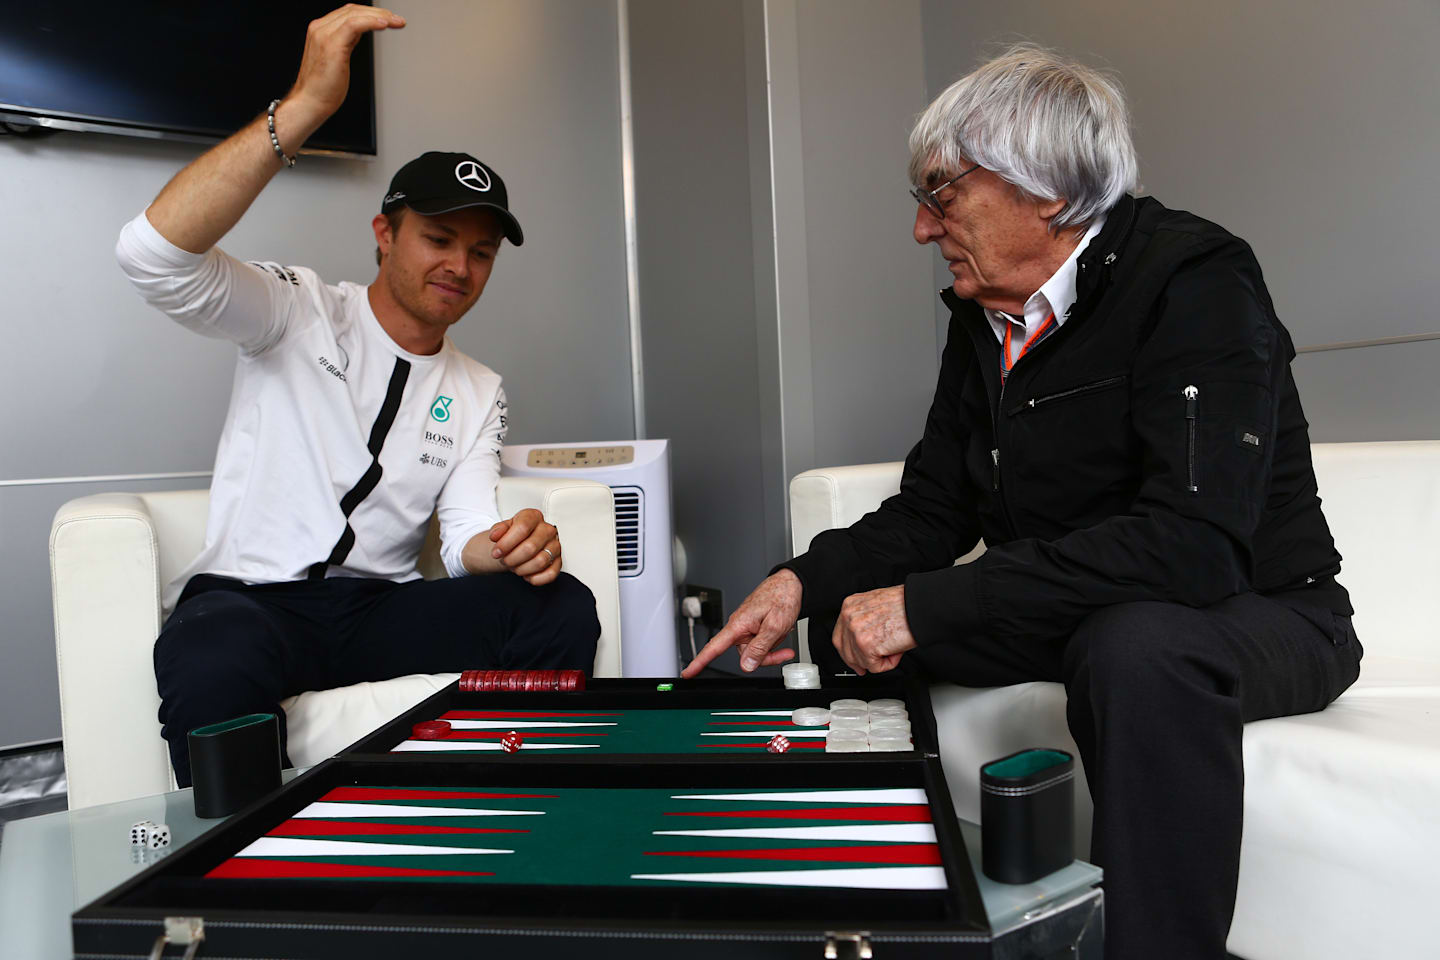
295 121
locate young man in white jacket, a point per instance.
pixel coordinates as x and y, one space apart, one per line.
352 419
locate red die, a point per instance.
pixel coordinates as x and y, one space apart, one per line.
778 743
511 742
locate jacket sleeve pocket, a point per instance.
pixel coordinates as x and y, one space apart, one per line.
1225 427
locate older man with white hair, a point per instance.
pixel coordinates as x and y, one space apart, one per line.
1116 418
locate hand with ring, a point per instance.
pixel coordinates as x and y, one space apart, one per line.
528 546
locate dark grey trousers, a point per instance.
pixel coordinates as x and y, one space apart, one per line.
231 649
1158 695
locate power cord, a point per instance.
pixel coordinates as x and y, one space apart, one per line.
690 610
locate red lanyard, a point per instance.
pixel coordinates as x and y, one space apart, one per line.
1009 325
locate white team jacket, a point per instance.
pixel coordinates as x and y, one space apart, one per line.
338 444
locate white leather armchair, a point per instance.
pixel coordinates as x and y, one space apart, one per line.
112 553
1340 823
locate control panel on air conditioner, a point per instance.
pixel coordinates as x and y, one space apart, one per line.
576 457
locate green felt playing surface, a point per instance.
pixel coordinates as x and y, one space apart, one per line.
602 731
867 838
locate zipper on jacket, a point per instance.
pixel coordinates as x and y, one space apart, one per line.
995 456
1191 394
1034 402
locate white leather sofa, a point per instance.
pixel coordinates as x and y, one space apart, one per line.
1342 807
112 553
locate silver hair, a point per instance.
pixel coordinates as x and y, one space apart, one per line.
1051 127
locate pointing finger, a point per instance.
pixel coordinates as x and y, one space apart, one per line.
718 644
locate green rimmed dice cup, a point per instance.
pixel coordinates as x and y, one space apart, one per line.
234 762
1027 815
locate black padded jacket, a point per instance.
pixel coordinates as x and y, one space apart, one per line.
1152 448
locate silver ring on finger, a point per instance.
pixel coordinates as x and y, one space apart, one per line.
546 551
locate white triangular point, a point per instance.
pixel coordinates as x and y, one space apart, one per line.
878 796
291 847
485 745
324 808
886 832
518 724
790 732
751 713
878 878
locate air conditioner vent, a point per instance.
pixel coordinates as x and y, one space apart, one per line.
629 530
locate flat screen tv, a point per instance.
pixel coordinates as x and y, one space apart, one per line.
194 71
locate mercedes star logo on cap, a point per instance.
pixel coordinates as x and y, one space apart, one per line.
472 175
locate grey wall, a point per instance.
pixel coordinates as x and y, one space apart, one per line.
872 350
95 383
695 255
786 311
1309 129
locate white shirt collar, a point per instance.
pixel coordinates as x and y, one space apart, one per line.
1055 295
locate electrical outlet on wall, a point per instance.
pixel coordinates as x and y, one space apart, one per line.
712 608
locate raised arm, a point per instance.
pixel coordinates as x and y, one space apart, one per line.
209 196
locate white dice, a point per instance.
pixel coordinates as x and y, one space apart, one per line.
140 833
148 833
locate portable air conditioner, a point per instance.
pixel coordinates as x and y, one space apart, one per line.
638 471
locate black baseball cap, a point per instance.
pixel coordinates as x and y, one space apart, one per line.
438 182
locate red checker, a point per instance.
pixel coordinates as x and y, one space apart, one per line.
430 730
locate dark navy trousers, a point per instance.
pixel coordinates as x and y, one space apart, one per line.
230 649
1158 694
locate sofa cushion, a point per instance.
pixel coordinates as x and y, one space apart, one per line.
1351 875
321 723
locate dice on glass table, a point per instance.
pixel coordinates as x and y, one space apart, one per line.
140 833
159 836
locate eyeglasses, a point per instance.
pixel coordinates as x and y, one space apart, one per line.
932 202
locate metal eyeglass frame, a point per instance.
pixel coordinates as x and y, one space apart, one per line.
928 198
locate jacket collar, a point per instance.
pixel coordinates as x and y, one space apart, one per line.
1100 257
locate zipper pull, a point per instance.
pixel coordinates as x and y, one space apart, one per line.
1191 394
995 458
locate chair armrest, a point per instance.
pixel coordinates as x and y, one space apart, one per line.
584 513
105 583
829 497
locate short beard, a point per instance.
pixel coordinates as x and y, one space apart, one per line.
404 294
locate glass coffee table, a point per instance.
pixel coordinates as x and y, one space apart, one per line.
54 864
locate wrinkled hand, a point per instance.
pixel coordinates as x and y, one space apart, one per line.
872 631
520 545
760 622
324 78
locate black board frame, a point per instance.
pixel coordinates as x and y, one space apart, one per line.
639 694
382 919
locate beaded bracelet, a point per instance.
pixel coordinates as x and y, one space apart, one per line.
274 140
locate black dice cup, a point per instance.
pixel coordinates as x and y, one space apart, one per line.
234 762
1027 815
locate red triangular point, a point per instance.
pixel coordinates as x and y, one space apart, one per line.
356 794
907 854
898 813
327 828
250 868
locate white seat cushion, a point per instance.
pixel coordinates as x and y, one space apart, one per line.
321 723
1352 874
